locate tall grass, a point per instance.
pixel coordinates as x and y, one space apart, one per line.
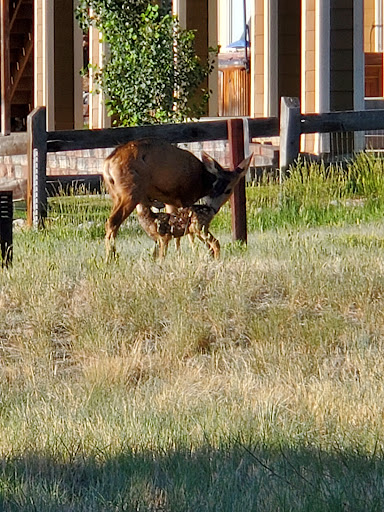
252 383
316 194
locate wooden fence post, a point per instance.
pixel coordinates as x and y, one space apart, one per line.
290 131
238 201
6 226
37 163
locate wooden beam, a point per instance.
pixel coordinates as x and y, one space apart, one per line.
238 201
5 69
14 14
289 133
343 121
22 63
69 140
37 167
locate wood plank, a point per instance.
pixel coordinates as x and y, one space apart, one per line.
14 13
345 121
69 140
289 133
238 200
5 69
22 64
263 127
37 166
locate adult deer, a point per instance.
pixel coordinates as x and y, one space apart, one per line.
192 220
146 170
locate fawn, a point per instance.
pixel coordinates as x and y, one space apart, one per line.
163 227
147 170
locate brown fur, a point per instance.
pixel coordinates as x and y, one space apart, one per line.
145 170
193 220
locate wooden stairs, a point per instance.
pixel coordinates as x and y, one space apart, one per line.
21 61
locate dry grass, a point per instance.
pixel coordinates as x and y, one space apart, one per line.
250 383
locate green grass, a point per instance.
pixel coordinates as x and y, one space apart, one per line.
249 383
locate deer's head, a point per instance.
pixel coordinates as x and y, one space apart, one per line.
225 181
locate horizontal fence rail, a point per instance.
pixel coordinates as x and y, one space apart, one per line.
346 121
70 140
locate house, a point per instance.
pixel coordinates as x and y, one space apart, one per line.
329 54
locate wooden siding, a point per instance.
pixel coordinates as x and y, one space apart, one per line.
289 48
341 55
234 91
373 75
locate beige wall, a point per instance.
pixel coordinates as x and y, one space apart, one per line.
308 67
309 57
257 60
369 22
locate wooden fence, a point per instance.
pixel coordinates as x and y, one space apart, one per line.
41 141
292 124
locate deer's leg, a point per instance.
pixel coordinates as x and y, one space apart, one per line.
163 246
121 210
155 253
211 242
169 208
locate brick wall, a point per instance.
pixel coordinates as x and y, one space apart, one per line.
13 168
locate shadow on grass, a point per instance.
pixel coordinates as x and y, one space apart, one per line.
237 478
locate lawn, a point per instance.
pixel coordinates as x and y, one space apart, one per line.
250 383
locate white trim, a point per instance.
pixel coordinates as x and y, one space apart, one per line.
77 66
104 121
271 106
322 56
49 59
179 8
358 67
303 83
378 29
322 67
44 63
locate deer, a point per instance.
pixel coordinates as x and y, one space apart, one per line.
192 221
162 227
148 170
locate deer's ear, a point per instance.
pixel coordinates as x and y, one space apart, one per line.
243 166
210 164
